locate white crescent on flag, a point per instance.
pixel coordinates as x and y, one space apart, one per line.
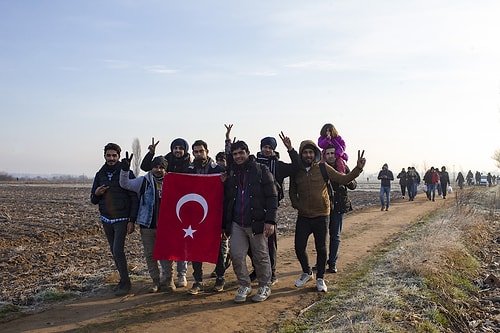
192 197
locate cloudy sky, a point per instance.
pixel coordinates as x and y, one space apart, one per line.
410 82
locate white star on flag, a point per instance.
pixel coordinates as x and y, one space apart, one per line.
189 232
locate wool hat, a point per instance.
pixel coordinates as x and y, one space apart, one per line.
161 161
181 143
268 141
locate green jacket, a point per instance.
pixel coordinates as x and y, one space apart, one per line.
308 192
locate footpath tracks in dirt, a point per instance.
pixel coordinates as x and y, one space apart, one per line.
363 232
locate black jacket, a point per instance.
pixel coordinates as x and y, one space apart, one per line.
175 164
116 202
254 206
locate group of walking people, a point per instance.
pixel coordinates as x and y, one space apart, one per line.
253 187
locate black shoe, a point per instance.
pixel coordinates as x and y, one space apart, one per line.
213 275
253 276
332 269
219 284
123 289
196 288
314 268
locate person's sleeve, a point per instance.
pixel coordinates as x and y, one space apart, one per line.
133 184
93 198
270 195
147 161
341 178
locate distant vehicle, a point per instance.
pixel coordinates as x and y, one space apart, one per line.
483 181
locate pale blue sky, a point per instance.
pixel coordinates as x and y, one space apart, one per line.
411 82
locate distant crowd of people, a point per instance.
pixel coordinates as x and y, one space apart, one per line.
253 187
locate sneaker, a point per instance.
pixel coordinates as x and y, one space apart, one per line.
332 269
123 289
170 285
242 294
219 284
263 294
181 282
320 284
303 279
253 276
213 275
196 288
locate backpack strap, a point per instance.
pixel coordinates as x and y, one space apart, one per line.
327 180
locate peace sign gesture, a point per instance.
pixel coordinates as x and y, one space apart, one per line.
286 141
152 146
361 160
126 161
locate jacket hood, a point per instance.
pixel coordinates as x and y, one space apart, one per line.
310 144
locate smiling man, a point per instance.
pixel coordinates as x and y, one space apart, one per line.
250 204
309 195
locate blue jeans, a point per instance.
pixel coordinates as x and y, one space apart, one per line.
335 228
304 227
182 268
116 234
385 191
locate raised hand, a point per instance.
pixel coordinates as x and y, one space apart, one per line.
152 146
286 141
126 161
228 131
361 160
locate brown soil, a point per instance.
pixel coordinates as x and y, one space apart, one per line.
47 229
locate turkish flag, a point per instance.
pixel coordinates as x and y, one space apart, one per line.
190 219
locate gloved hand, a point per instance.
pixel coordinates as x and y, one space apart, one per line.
126 162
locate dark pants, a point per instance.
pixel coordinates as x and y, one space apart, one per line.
334 229
318 227
403 189
444 190
116 234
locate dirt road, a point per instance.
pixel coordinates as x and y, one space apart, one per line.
139 311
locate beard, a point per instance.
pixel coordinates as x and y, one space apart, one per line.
200 162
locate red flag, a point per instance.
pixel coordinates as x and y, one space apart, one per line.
190 218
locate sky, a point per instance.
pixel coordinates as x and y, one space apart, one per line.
413 83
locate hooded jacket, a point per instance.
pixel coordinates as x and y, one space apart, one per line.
308 192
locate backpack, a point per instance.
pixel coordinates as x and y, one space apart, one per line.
339 200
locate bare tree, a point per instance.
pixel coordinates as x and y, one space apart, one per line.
136 160
496 157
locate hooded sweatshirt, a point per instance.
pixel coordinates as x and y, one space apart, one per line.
308 192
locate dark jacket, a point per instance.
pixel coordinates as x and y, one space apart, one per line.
385 176
280 169
257 203
116 202
175 164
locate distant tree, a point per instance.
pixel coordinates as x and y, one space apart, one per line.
136 160
496 157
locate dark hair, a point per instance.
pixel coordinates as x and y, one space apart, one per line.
240 145
328 147
112 146
199 143
220 156
329 127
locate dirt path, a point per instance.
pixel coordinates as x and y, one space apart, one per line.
139 311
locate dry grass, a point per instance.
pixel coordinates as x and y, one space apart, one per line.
426 281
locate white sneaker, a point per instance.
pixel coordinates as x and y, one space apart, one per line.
181 282
303 279
263 294
242 294
320 284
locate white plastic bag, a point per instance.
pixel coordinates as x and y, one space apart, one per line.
450 189
424 188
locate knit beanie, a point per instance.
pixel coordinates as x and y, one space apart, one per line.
181 143
161 161
268 141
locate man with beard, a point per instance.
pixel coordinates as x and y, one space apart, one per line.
117 209
149 192
309 195
178 160
204 165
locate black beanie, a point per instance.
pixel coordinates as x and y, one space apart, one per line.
181 143
161 161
